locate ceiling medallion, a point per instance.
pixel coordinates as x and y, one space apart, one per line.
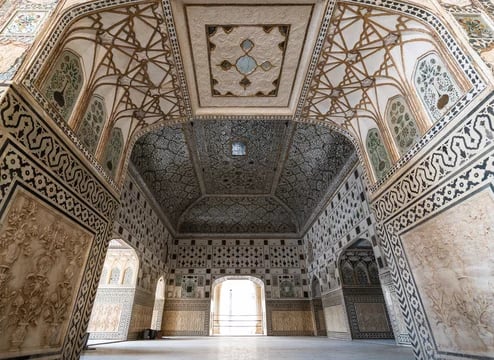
250 56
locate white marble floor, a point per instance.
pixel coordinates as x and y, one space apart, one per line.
249 348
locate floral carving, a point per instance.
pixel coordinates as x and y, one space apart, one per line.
457 287
41 256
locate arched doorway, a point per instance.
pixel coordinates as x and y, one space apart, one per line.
317 308
159 303
238 306
364 300
112 309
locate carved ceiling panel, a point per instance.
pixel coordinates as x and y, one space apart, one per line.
316 157
246 60
214 214
163 161
245 57
252 173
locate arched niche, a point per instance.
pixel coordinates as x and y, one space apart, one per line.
363 296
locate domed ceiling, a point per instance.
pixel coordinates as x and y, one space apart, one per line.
241 176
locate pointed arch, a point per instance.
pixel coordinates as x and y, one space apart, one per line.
64 82
91 126
378 155
402 124
113 151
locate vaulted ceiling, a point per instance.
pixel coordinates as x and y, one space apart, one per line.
284 177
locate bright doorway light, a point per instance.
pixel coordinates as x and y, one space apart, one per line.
238 307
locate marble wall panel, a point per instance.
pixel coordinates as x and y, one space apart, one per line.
335 317
289 318
186 318
451 258
433 184
371 317
42 257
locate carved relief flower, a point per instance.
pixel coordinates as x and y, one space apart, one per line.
13 161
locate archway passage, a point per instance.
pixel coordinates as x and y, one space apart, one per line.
364 300
159 303
111 314
238 307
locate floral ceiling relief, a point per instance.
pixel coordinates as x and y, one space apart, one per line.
457 289
42 256
246 60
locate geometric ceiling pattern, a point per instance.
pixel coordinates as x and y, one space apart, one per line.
164 163
224 173
202 187
239 214
315 158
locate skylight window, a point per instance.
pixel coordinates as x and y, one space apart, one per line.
238 148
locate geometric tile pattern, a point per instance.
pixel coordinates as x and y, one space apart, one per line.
237 215
316 156
261 258
347 217
139 225
163 160
203 188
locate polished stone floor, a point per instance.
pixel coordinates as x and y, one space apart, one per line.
249 348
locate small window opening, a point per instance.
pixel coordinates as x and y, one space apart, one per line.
238 148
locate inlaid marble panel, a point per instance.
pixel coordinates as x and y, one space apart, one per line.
457 288
244 56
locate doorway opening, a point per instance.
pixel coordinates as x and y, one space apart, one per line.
159 304
238 306
112 309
